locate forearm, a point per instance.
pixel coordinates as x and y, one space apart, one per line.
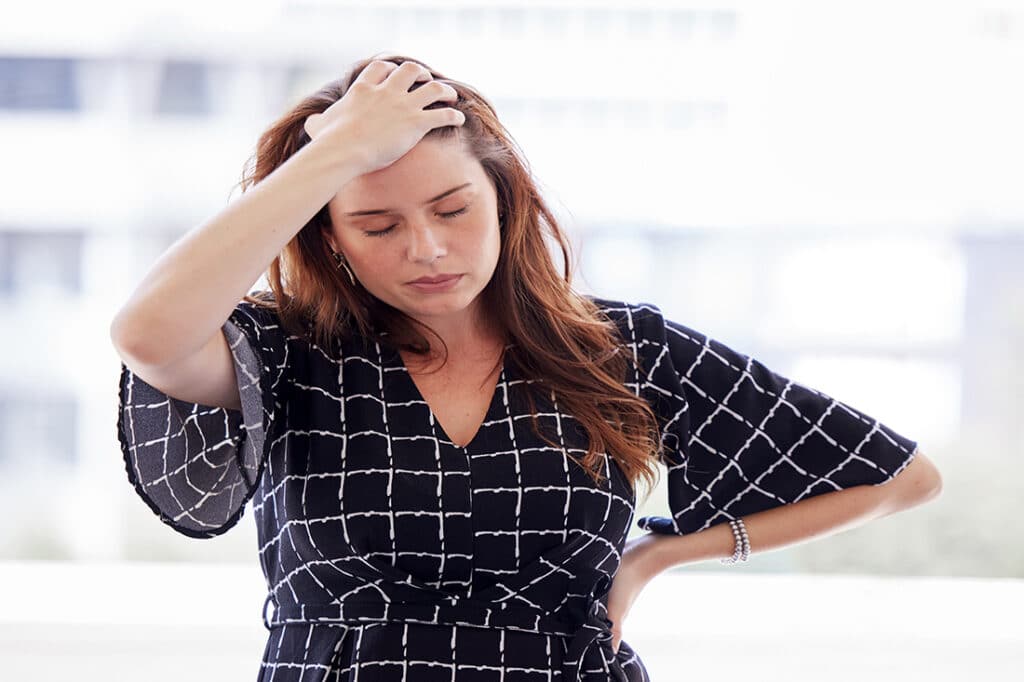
192 288
776 528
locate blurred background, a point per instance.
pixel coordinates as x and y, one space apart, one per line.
834 188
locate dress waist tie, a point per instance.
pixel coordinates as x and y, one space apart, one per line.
584 637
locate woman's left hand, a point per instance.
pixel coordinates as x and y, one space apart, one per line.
633 575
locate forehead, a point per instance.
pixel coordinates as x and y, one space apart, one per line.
432 166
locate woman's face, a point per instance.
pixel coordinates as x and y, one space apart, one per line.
403 231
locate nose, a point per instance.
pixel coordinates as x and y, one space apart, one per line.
424 244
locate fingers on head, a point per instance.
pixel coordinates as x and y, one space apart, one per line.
376 71
407 74
434 91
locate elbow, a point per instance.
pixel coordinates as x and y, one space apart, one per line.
138 343
936 488
930 491
124 343
118 338
918 483
132 346
929 477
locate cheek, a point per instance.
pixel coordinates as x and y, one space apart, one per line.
494 237
364 260
377 260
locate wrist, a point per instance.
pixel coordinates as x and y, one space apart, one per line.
670 550
339 160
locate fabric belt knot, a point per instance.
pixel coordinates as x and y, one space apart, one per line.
596 629
583 623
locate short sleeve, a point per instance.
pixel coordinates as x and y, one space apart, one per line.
196 466
738 438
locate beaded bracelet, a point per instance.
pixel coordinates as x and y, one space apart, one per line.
742 551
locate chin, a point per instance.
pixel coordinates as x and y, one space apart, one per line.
439 302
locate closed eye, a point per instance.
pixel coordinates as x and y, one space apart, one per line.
446 216
452 214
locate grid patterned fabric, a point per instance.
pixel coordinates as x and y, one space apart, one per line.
738 438
195 465
393 554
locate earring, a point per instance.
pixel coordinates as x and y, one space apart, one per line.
340 260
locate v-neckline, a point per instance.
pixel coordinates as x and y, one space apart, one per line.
439 430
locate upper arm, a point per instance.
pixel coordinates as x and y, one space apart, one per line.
206 377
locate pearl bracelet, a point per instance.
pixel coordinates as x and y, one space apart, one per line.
742 551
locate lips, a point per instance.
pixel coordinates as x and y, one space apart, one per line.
434 280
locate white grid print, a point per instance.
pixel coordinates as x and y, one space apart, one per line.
393 554
739 438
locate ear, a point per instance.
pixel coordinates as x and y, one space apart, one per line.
329 238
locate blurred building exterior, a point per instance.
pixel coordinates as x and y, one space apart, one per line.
835 191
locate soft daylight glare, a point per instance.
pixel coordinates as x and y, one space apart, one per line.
103 19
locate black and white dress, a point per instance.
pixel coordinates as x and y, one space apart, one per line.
392 554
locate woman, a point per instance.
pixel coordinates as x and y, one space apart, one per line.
444 473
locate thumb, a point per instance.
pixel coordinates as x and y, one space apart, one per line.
312 125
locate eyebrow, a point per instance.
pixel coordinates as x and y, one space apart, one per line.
440 196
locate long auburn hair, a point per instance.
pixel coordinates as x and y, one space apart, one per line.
562 342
